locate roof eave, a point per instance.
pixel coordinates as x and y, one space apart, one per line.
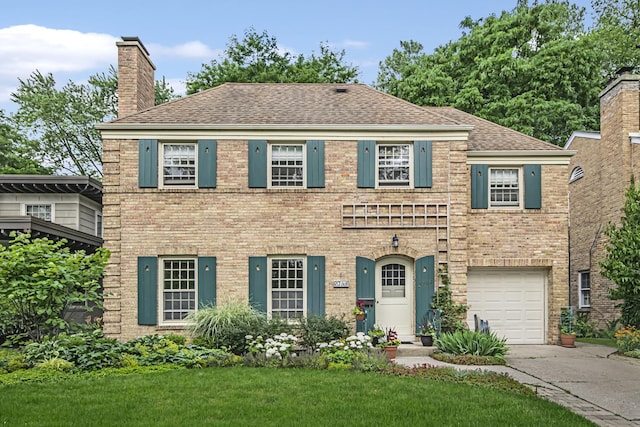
262 126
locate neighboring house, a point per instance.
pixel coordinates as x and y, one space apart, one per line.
600 174
304 198
51 206
55 207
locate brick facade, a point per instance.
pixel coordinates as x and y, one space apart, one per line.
234 222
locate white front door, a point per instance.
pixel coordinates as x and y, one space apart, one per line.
394 296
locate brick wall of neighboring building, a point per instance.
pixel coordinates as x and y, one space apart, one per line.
596 199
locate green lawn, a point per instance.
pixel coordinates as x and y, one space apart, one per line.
609 342
268 397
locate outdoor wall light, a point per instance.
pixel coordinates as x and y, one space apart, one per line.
394 241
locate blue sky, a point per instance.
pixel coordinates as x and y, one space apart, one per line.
74 39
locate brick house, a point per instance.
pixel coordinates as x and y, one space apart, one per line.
600 173
304 198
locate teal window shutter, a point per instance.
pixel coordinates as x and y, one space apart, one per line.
425 279
207 163
257 164
148 163
532 186
422 164
366 164
147 290
479 186
366 287
206 281
315 164
315 286
258 283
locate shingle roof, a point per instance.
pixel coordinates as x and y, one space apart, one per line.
291 104
288 104
488 136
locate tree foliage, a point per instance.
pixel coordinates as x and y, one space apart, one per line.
535 69
39 280
14 152
622 264
617 27
257 58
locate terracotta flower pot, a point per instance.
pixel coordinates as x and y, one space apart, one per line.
391 351
360 317
568 340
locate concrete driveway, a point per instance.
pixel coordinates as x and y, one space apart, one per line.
591 373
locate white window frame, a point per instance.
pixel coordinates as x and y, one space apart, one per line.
270 278
270 165
161 177
161 269
50 205
410 165
99 221
501 205
581 290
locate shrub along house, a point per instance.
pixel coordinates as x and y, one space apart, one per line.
304 198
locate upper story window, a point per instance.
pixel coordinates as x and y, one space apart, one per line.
576 174
43 211
504 187
584 283
514 187
179 164
287 165
287 287
394 165
99 226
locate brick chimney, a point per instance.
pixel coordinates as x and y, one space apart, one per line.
619 119
135 77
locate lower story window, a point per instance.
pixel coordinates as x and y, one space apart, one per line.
287 287
584 282
178 288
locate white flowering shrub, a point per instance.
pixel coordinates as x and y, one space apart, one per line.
346 350
278 347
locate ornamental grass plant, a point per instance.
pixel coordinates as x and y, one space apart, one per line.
467 342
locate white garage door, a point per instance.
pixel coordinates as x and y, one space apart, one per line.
513 301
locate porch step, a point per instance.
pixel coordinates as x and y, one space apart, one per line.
414 350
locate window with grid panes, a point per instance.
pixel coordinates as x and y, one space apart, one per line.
179 164
394 165
393 281
287 287
504 188
584 279
178 288
39 211
287 165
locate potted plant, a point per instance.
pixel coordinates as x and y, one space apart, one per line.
358 310
390 343
427 332
567 328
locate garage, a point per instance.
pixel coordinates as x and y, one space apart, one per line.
512 300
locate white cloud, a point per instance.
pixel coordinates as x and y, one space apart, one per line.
25 48
194 49
348 44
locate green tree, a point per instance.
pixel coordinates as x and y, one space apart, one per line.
39 280
617 26
258 59
534 69
622 264
14 153
61 122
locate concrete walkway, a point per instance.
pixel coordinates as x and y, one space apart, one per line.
589 380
